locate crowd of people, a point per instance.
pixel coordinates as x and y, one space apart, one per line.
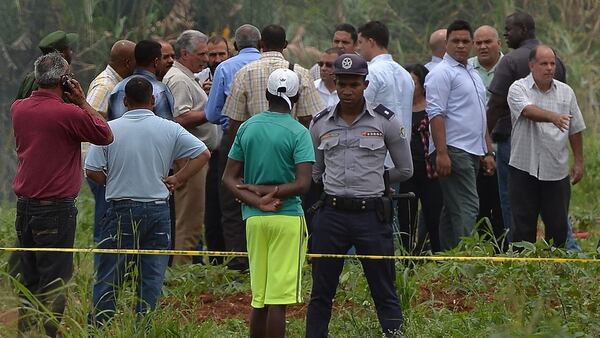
188 145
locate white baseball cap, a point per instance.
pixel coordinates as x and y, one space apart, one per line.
284 83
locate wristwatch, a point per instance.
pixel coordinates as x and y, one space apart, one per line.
491 153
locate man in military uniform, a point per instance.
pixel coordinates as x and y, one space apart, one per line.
58 41
351 142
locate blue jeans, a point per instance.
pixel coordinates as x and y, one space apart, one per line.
502 158
100 206
132 225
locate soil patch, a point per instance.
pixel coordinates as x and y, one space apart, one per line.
445 298
208 306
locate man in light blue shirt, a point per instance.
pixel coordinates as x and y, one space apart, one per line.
389 83
455 97
148 57
247 38
134 168
437 44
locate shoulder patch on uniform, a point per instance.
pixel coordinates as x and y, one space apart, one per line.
384 111
320 115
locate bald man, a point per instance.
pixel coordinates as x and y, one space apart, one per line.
487 56
487 53
121 63
437 44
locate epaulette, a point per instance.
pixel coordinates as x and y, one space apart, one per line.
384 111
320 115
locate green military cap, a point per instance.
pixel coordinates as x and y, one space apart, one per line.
58 41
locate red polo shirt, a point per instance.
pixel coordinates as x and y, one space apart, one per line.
48 135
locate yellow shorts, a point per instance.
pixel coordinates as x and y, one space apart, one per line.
276 251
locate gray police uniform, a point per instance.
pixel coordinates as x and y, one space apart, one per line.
350 163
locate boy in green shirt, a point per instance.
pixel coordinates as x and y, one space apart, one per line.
273 153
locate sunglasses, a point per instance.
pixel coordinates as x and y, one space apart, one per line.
327 64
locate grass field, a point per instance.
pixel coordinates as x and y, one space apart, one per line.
439 299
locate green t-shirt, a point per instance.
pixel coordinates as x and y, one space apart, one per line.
271 145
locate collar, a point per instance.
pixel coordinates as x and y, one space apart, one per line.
333 113
249 50
529 43
276 55
144 72
113 73
436 59
477 65
321 87
46 94
185 70
530 82
381 57
453 63
138 113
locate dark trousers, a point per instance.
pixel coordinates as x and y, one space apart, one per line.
234 228
530 198
335 231
45 224
489 202
212 215
428 192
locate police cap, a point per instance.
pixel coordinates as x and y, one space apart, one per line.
57 41
351 64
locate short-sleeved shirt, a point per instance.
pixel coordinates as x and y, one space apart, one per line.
101 87
457 93
189 96
48 135
271 145
392 86
350 158
486 75
540 148
98 94
250 84
514 66
141 154
163 99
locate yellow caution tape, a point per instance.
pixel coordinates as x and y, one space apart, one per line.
493 259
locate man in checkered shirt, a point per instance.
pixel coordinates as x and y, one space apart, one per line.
545 116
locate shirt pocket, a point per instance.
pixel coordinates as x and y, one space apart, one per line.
329 143
371 154
373 143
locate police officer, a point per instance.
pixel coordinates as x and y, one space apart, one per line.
351 141
57 41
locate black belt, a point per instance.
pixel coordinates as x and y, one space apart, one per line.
47 201
130 201
350 203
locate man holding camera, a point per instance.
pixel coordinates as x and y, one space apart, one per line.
48 135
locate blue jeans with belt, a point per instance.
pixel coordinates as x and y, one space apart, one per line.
48 223
132 225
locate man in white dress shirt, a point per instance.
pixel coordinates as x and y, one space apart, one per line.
326 83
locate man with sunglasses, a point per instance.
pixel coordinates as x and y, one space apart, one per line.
326 83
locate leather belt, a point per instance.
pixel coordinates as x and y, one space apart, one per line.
351 203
